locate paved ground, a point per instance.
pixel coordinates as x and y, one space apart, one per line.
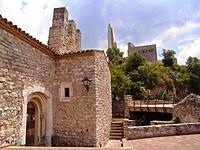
114 143
183 142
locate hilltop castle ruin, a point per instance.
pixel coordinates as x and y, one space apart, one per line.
149 52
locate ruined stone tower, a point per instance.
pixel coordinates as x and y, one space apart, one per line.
63 35
111 37
149 52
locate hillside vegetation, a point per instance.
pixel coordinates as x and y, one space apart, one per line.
146 80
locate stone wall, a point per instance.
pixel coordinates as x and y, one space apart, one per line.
126 124
188 110
74 119
84 119
103 99
63 35
21 65
162 130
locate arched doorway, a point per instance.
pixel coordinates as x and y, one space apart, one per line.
36 121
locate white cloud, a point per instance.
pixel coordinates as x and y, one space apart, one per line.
174 34
34 17
123 47
190 49
176 38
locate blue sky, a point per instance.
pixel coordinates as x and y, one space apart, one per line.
171 24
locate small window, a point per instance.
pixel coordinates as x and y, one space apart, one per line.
66 92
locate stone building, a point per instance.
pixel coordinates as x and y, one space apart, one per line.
56 94
147 51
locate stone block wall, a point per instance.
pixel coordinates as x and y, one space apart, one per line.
126 124
21 65
85 118
103 99
188 110
74 119
162 130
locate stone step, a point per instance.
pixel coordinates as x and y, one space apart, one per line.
116 125
117 120
117 130
116 134
115 137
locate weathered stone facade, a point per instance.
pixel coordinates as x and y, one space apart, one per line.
21 66
32 72
91 109
147 51
188 110
103 100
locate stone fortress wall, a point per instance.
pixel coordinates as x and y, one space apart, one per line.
147 51
27 68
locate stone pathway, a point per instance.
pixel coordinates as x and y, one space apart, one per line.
182 142
113 144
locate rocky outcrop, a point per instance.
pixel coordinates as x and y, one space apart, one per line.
188 110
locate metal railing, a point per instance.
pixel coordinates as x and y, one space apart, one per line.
147 103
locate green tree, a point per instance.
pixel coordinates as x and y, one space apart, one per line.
169 58
137 90
133 62
148 75
193 67
182 81
165 96
119 82
114 56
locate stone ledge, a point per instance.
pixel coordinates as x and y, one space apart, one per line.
162 130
